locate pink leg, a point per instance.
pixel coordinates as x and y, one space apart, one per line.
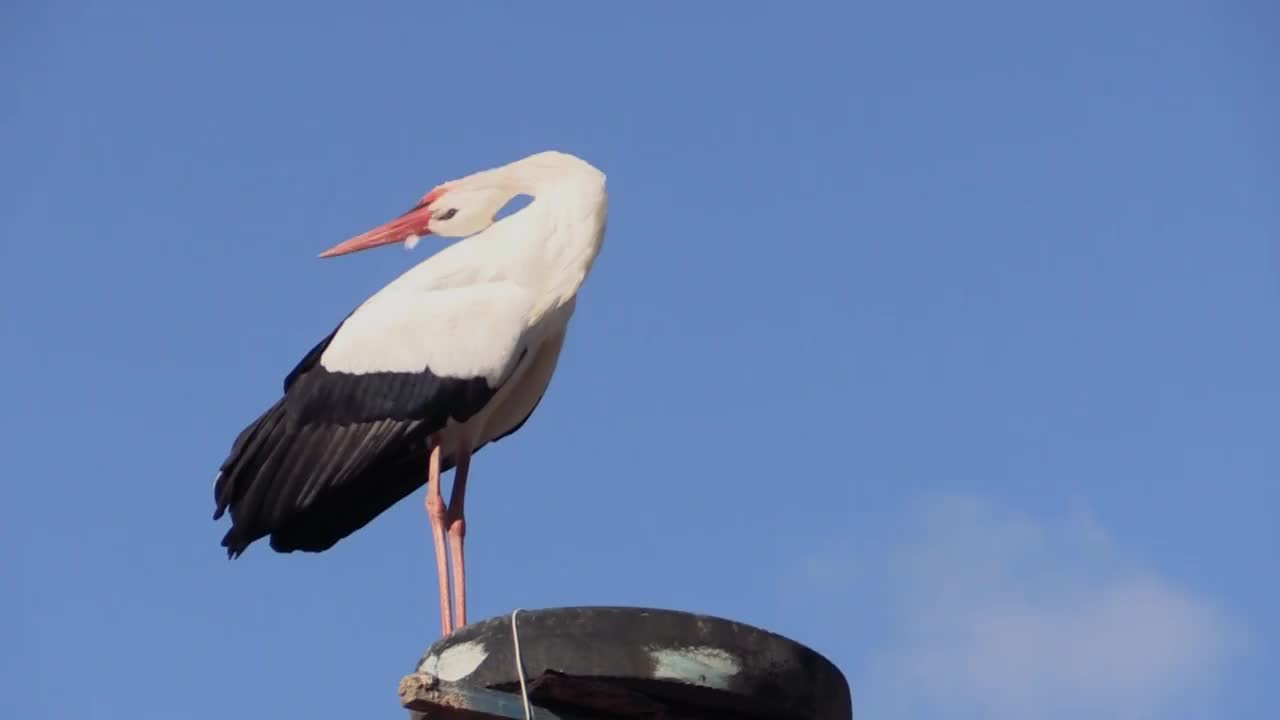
457 532
436 513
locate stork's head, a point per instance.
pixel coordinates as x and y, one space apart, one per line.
467 206
455 209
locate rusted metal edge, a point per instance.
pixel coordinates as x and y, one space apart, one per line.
436 698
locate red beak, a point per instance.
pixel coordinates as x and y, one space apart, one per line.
413 222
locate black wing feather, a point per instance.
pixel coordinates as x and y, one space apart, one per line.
335 452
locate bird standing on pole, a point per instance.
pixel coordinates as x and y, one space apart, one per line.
454 354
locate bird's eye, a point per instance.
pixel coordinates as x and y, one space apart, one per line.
447 214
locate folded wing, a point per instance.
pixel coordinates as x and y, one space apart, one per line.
348 438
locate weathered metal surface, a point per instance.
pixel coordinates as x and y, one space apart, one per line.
599 698
642 663
440 700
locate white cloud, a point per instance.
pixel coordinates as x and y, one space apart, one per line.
993 614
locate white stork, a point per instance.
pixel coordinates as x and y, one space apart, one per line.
452 355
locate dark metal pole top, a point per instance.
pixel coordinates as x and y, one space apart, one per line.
616 662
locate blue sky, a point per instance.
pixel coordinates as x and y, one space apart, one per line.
939 337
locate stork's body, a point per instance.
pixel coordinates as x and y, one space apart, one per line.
452 355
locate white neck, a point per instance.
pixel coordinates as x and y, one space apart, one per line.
550 245
576 213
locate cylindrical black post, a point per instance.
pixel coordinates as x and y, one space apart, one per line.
620 663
